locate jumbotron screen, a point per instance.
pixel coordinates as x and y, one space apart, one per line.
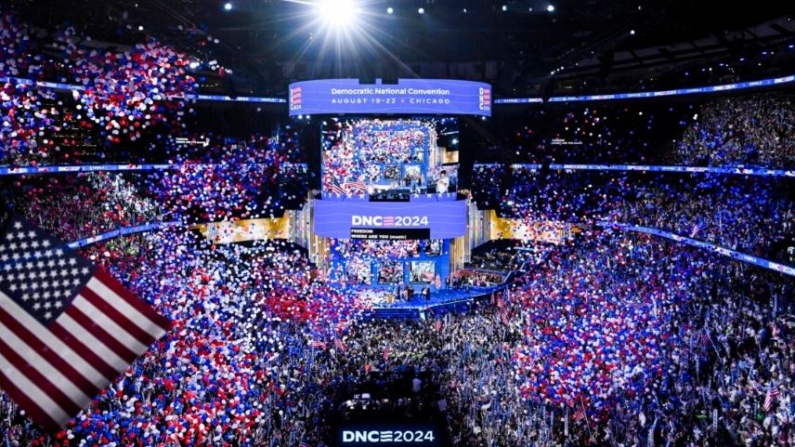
371 155
383 221
407 96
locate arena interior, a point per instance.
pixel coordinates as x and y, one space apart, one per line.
463 223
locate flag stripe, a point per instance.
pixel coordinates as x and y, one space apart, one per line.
54 384
15 347
92 343
33 400
54 347
772 393
107 286
100 334
103 323
116 314
27 345
101 337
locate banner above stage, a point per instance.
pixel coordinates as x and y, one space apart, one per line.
408 96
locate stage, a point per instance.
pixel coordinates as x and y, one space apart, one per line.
439 301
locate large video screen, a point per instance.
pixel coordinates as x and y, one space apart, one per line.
390 272
358 271
372 156
390 220
408 96
422 271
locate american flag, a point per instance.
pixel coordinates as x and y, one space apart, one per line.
772 393
356 187
318 344
340 344
304 443
68 328
336 189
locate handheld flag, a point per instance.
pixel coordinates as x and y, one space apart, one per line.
67 328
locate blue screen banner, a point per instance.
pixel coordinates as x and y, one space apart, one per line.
408 96
339 219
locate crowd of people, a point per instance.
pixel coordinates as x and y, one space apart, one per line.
108 202
504 255
607 339
751 130
248 178
118 94
752 214
613 339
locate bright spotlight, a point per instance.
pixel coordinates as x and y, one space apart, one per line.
390 10
337 12
551 8
227 6
421 10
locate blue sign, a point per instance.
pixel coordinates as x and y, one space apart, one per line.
408 96
120 232
444 219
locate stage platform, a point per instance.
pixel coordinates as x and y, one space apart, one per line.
440 301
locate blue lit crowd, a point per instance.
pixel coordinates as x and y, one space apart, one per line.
611 338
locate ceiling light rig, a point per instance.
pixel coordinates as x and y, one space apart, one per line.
338 13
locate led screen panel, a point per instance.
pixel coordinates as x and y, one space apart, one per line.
408 96
417 220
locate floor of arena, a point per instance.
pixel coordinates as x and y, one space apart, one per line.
441 300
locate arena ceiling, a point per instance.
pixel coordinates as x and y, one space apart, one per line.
517 45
